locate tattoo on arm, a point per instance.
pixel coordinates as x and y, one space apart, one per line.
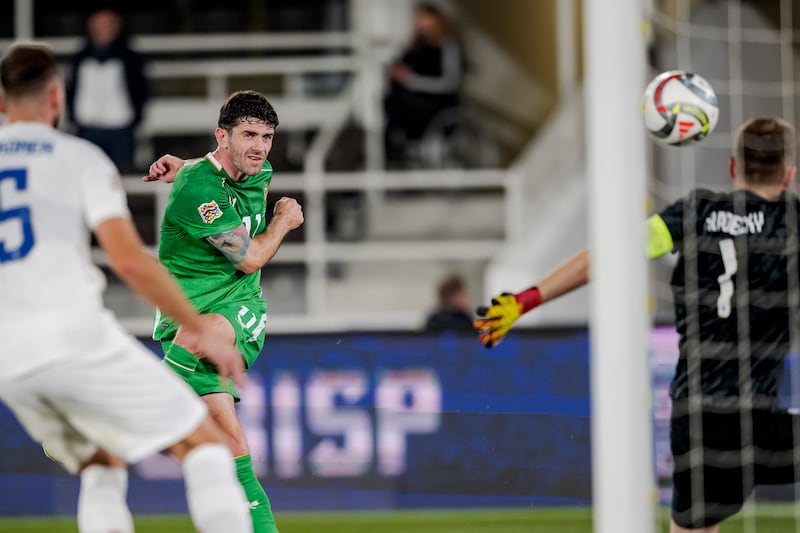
232 244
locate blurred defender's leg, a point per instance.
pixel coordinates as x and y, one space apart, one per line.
217 503
102 505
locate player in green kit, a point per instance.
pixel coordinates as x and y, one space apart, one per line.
214 241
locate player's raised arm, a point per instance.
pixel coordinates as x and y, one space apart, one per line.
250 254
140 271
166 167
495 321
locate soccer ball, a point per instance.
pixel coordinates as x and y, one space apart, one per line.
680 108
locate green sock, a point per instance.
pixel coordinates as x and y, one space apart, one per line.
260 510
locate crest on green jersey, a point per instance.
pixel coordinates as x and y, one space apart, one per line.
209 211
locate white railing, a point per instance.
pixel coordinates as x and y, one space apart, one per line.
173 68
316 252
215 42
359 54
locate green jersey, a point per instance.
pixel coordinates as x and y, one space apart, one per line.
205 201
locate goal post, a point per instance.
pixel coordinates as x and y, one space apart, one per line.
623 486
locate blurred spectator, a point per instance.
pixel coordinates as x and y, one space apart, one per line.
108 89
453 312
425 80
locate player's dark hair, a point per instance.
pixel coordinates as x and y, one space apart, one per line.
429 8
449 287
26 69
432 10
246 105
765 147
96 6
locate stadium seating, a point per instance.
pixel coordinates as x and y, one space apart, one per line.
324 76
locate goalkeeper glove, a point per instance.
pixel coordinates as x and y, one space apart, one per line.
494 322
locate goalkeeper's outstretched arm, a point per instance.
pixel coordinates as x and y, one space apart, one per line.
495 321
570 275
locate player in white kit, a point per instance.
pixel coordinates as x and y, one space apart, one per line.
73 378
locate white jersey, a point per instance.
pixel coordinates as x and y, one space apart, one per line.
54 189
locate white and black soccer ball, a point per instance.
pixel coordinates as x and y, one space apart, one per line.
680 108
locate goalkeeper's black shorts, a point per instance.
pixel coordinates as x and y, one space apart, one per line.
730 464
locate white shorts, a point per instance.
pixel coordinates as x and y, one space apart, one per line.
120 398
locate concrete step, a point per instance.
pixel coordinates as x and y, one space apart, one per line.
451 215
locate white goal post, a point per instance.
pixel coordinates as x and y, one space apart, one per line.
623 486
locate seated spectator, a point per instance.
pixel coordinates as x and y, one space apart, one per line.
453 311
108 88
425 81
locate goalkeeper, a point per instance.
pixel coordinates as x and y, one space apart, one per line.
214 241
754 228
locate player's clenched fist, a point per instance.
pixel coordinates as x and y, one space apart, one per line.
495 321
289 212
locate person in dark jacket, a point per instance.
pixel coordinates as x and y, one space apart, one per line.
108 89
453 311
425 80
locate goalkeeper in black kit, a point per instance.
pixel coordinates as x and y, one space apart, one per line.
733 286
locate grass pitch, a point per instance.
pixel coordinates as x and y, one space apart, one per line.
766 519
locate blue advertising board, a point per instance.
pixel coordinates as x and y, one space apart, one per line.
383 421
370 421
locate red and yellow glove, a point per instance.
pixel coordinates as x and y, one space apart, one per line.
495 321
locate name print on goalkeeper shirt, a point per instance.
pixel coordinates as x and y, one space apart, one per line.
733 224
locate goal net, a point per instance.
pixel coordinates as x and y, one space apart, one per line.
748 51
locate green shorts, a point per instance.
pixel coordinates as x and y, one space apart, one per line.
248 321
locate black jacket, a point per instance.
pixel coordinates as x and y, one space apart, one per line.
449 320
